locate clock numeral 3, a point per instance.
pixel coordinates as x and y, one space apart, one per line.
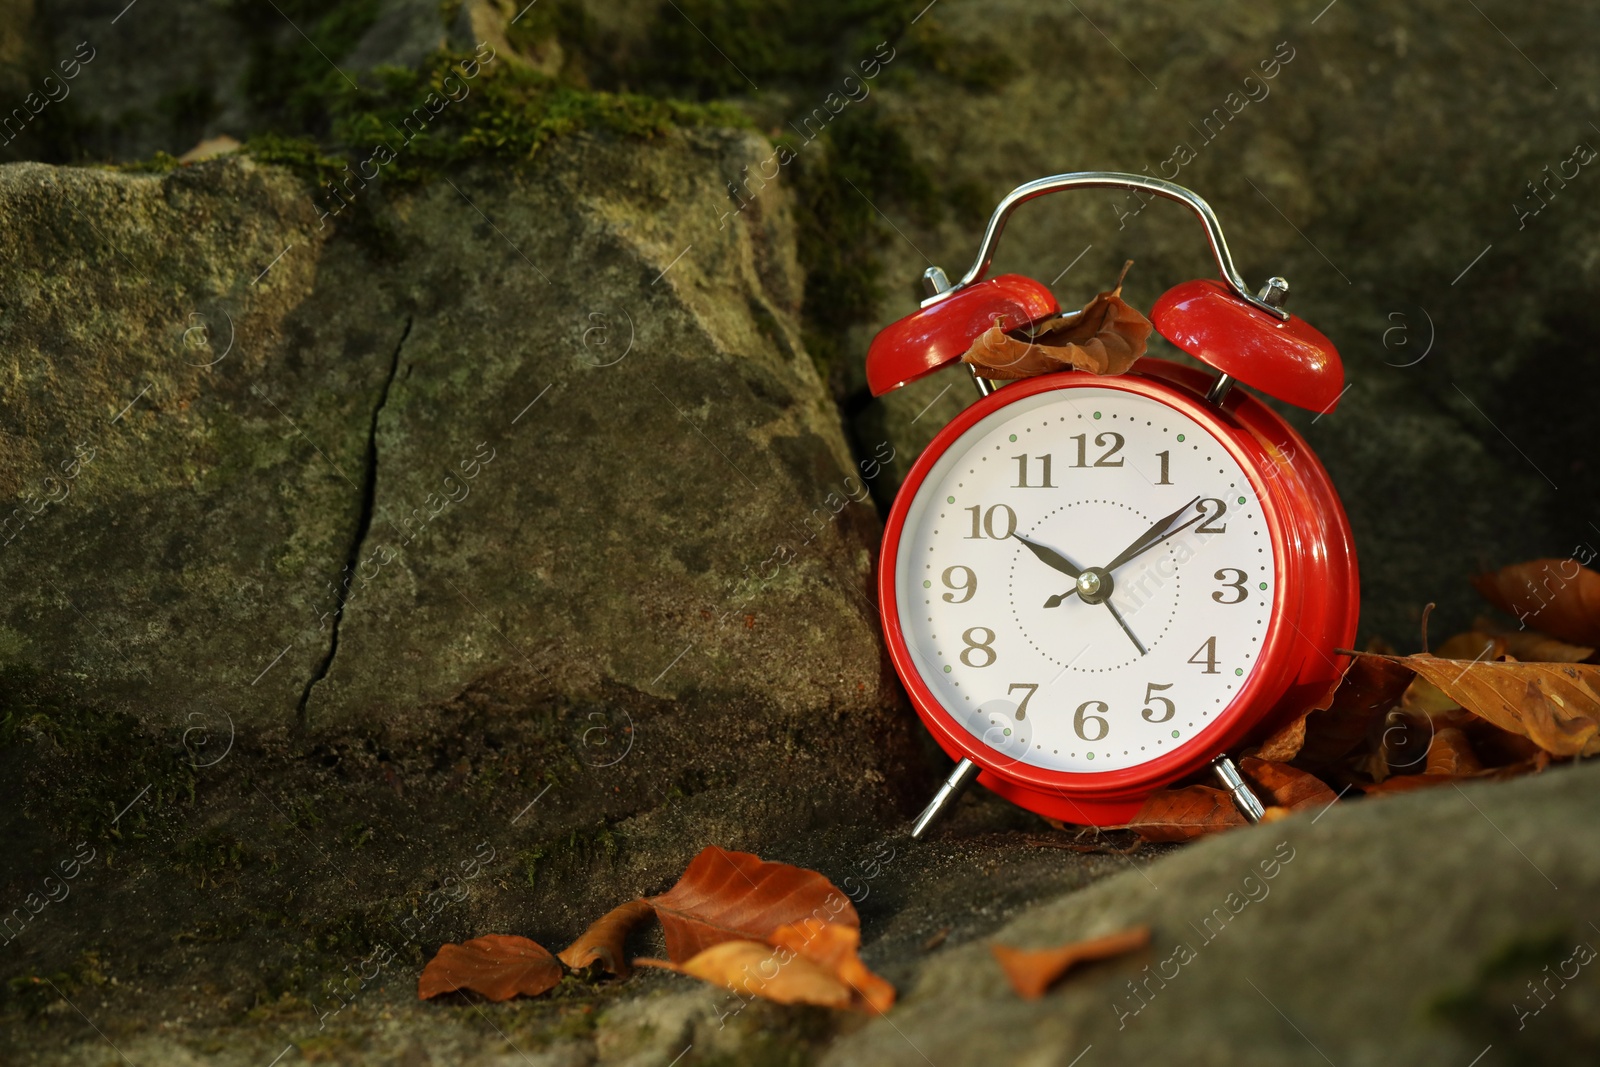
977 645
1209 652
969 586
1151 698
1031 687
1022 473
1238 584
1211 516
1105 459
1083 716
988 523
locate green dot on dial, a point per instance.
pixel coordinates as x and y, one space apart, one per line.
1180 437
949 500
1263 585
1091 755
1238 670
1013 437
1174 733
947 668
929 585
1241 500
1096 415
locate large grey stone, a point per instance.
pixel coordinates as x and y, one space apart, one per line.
1396 931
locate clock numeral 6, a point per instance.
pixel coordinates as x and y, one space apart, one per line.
978 645
1151 698
1083 716
969 585
1237 583
988 522
1208 650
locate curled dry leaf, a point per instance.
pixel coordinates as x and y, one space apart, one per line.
752 969
606 939
1184 814
1559 597
1534 647
1451 753
1104 338
809 962
834 947
1555 705
728 896
498 966
1032 972
1286 786
1371 685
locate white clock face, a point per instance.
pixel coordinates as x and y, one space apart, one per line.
1165 621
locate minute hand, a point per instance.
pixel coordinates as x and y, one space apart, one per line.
1157 533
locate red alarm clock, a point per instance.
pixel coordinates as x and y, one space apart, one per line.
1094 586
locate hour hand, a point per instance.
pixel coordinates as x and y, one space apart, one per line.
1051 558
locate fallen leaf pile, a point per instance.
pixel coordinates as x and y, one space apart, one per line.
1103 338
768 930
1489 703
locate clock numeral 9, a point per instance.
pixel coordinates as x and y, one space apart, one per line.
978 645
1083 716
968 586
1237 583
988 522
1105 459
1151 698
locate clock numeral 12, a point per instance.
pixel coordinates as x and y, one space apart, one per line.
1105 459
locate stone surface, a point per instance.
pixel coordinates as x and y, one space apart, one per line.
1394 931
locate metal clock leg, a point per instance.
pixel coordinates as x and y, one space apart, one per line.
1234 783
952 788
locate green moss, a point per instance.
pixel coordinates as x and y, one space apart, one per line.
288 77
209 858
81 768
35 990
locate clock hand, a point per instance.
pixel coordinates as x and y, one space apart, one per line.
1051 558
1115 614
1157 533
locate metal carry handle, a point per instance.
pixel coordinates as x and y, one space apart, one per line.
1106 179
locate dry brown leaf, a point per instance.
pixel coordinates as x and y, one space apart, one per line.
1451 753
1556 705
834 947
1556 596
1184 814
1406 783
1104 338
1285 744
727 896
498 966
1032 972
1534 647
606 939
1286 786
757 969
1371 686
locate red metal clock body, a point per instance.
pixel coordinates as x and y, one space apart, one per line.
970 553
